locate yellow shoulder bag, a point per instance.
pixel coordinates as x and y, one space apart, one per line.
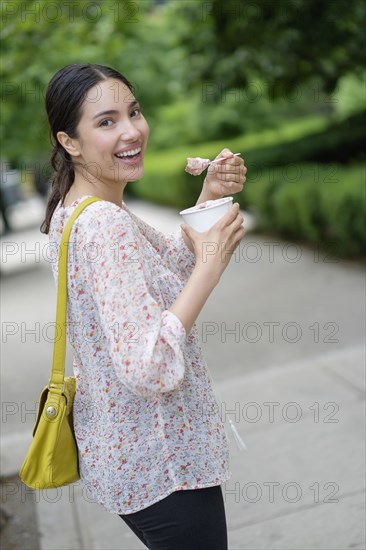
52 458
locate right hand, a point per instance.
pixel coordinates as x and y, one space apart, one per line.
214 248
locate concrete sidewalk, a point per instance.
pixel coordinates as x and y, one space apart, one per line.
298 406
300 485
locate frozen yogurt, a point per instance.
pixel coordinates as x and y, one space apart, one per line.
195 166
206 204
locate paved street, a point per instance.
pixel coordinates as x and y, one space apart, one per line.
283 335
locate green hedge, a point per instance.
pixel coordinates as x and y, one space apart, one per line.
314 203
343 140
320 204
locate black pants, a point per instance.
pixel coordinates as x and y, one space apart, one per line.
185 520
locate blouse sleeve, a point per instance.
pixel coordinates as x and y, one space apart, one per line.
171 247
145 342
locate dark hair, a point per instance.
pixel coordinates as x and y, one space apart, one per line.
65 95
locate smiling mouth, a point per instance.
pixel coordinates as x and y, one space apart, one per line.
133 153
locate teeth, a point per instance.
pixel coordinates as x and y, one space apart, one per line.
129 153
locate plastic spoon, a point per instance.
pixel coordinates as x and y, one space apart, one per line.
224 158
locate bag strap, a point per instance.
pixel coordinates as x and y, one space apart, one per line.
59 349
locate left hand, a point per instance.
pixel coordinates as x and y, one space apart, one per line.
225 177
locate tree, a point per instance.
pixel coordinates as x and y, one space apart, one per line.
283 43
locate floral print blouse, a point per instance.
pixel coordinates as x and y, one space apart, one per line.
145 415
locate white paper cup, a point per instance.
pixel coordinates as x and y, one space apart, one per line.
205 215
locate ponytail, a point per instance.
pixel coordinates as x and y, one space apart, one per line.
62 179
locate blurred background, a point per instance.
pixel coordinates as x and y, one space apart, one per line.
282 82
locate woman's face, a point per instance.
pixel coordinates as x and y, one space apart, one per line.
112 134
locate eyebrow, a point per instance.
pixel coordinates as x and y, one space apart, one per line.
113 111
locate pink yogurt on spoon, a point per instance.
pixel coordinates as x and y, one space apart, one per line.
195 166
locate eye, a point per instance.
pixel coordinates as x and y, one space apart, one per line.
136 110
105 121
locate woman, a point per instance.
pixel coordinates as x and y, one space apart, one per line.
152 448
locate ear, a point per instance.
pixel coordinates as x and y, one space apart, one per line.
70 144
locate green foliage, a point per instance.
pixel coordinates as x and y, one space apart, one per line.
318 204
194 119
286 42
261 62
351 95
342 141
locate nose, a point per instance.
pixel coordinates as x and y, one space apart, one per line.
128 130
